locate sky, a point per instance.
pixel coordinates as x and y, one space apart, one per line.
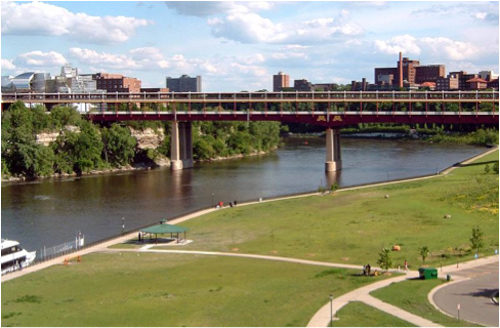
237 46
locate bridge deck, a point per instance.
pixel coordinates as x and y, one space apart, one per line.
257 97
325 118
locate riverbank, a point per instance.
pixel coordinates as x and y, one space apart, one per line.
128 168
203 212
348 225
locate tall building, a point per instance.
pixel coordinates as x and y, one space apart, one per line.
408 72
184 84
280 81
117 83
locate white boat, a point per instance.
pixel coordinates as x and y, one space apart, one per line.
14 257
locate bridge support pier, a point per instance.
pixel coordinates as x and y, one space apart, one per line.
181 146
333 159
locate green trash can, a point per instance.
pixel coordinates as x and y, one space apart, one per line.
428 273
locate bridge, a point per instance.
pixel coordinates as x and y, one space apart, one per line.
315 107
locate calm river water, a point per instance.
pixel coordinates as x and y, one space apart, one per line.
52 212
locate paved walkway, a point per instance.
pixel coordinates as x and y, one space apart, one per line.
322 317
473 291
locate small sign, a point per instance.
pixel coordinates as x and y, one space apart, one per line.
458 306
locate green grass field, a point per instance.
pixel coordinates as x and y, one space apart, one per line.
145 289
411 295
358 314
352 226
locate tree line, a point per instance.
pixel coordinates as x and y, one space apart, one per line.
82 146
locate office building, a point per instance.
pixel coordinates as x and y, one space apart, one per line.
184 84
280 81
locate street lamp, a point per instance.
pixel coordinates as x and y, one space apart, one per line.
123 225
331 310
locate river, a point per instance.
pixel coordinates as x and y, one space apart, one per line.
51 212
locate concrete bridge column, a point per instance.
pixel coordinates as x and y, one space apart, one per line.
181 146
333 159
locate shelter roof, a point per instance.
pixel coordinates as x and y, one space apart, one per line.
164 228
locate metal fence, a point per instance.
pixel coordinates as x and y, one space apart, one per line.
47 253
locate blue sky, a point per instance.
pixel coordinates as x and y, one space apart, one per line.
239 45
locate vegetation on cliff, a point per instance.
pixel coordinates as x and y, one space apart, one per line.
82 146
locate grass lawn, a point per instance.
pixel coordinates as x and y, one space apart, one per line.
146 289
411 295
358 314
352 226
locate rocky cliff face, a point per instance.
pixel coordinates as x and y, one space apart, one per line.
148 138
45 138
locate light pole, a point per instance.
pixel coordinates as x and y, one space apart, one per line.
331 310
213 199
123 225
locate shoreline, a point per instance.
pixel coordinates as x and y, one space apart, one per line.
103 244
125 169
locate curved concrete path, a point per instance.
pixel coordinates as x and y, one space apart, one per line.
472 289
322 317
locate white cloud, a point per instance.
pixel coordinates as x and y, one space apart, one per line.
93 57
454 50
7 64
241 24
434 47
39 59
38 18
401 43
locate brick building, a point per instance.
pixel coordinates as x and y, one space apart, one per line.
451 82
280 81
429 73
408 72
117 83
359 86
302 85
476 83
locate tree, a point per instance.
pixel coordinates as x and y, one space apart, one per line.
476 240
424 252
64 115
384 259
80 150
119 145
487 169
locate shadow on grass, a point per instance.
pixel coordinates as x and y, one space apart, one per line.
474 164
148 241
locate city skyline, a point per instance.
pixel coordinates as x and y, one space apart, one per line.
240 45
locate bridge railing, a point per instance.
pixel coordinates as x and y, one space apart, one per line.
297 96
